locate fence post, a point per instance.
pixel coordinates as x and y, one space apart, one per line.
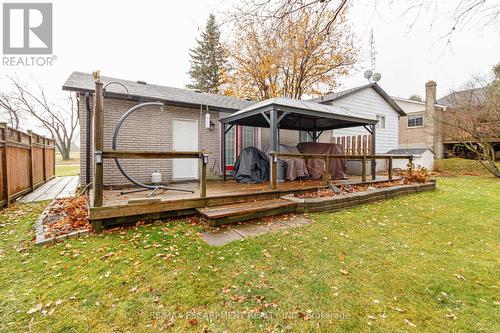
389 168
5 164
31 161
203 180
98 143
54 159
44 160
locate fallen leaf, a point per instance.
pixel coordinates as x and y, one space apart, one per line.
344 271
38 307
460 277
451 316
133 289
410 323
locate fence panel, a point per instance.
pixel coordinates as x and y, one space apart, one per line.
355 144
27 160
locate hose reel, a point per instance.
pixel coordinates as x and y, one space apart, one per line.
134 181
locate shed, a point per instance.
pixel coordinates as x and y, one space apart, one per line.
422 157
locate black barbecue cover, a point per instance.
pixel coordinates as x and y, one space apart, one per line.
252 166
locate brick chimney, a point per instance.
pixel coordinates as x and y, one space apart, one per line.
432 140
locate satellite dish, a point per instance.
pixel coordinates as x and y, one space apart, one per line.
376 77
368 74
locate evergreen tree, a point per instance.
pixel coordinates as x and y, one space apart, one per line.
208 60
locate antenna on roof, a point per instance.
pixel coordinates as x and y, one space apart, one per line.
373 52
370 74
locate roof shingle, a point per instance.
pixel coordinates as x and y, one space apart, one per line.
84 82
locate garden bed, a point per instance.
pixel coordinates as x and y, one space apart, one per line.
354 195
61 219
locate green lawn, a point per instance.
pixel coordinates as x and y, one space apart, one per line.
461 166
429 260
67 170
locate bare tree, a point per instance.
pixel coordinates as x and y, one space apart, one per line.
465 13
60 119
281 11
474 120
13 113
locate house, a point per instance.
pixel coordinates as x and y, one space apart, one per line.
368 100
419 129
196 115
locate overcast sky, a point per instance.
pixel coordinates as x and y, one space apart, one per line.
149 40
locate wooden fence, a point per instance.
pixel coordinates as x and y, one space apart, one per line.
27 161
355 144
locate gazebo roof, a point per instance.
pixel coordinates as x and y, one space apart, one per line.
297 114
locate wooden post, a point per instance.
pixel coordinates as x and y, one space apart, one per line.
273 171
203 180
374 152
98 143
410 161
32 176
389 168
363 169
44 160
5 164
54 159
326 170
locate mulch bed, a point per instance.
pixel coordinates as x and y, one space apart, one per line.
66 216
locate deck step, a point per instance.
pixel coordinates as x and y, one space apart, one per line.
232 213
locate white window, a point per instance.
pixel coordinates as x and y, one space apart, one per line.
416 120
380 121
305 137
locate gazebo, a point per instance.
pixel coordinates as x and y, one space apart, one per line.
292 114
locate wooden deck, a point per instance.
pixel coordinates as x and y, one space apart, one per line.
238 212
57 188
131 207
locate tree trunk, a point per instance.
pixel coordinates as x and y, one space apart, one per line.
65 153
491 166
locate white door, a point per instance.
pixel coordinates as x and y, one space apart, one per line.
185 138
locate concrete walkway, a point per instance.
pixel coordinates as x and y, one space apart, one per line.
236 232
59 187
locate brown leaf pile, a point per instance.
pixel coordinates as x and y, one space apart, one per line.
416 175
67 215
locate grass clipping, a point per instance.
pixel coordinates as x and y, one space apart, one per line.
66 216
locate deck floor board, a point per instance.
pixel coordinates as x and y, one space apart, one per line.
59 187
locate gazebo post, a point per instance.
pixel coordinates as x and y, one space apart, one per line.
373 166
273 145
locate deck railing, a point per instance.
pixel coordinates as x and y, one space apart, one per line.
27 161
127 154
101 153
329 157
